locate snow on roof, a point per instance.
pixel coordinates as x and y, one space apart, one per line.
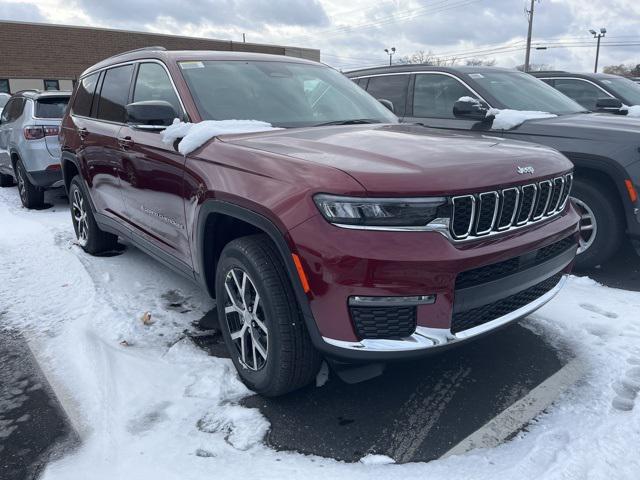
194 135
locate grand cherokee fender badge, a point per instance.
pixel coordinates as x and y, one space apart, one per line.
523 170
162 218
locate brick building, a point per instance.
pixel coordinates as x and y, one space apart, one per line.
42 56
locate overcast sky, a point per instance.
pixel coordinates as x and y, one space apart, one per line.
354 33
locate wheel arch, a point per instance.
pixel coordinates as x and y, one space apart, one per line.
212 214
605 172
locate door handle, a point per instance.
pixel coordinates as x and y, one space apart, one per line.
82 133
125 143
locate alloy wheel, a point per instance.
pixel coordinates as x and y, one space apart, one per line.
588 225
246 319
79 214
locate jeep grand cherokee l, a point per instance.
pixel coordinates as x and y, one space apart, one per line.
29 148
604 148
344 234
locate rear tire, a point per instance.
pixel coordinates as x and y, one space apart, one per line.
282 358
6 180
601 224
89 236
30 195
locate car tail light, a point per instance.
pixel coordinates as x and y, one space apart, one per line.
39 132
54 167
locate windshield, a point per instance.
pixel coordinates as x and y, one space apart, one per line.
521 91
623 87
51 107
280 93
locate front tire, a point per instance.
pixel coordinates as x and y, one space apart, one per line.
601 223
260 320
31 196
89 236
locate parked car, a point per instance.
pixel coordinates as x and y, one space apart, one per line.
344 234
29 147
603 148
4 98
594 91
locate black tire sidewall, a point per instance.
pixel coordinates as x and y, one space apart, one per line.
34 195
98 240
261 379
609 221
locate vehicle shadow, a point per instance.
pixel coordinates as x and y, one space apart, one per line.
622 271
415 411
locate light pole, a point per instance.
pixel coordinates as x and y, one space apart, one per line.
390 53
598 35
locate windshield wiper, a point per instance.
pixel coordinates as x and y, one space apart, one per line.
354 121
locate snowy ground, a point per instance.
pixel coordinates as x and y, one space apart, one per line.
150 405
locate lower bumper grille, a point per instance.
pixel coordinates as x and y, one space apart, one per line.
477 316
384 322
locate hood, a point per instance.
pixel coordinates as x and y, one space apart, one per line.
410 159
586 126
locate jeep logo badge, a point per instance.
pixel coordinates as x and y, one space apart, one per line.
523 170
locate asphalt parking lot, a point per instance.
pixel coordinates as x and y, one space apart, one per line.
415 411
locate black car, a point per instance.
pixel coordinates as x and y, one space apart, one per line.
605 149
594 91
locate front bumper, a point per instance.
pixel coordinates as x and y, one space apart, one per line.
426 338
341 264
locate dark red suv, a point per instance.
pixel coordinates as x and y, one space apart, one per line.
343 234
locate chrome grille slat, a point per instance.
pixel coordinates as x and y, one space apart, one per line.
509 208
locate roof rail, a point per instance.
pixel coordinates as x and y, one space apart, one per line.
27 90
143 49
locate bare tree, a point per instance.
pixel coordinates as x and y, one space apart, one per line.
426 58
623 70
479 62
536 67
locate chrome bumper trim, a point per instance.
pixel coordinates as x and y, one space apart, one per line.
425 338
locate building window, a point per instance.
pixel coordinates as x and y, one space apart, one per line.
51 85
4 86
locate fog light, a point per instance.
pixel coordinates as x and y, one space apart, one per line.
392 301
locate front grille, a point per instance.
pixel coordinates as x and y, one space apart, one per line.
495 271
384 322
478 316
497 211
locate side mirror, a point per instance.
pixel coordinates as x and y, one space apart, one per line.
150 114
472 109
388 104
608 104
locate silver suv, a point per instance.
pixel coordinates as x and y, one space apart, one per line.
29 148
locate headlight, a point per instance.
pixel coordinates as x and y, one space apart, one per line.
382 213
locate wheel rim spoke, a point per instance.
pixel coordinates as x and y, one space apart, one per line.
245 319
588 225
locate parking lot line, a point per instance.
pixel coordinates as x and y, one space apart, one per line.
518 415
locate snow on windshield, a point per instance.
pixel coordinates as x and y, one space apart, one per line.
194 135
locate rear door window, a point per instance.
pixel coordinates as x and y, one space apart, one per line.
153 83
435 94
51 107
585 93
13 109
115 93
84 96
392 88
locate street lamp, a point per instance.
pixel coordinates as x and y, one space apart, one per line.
598 35
390 53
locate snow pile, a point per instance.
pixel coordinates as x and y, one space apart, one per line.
159 408
632 111
507 119
194 135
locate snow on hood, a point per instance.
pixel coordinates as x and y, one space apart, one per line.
632 111
194 135
506 119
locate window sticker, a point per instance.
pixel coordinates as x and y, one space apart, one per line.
190 65
476 75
